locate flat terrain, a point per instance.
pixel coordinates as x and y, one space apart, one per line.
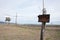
13 32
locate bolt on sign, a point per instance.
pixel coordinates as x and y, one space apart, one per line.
44 18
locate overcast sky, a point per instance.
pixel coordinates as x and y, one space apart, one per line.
28 10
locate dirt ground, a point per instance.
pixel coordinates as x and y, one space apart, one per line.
13 32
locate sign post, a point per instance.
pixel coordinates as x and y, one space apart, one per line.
44 18
42 30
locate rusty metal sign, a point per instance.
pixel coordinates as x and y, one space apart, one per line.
44 18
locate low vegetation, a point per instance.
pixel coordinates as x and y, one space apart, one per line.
15 32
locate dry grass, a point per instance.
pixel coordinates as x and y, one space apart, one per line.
13 32
52 33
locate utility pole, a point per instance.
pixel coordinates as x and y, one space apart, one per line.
43 23
16 19
43 18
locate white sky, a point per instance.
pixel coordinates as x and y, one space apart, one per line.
28 10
